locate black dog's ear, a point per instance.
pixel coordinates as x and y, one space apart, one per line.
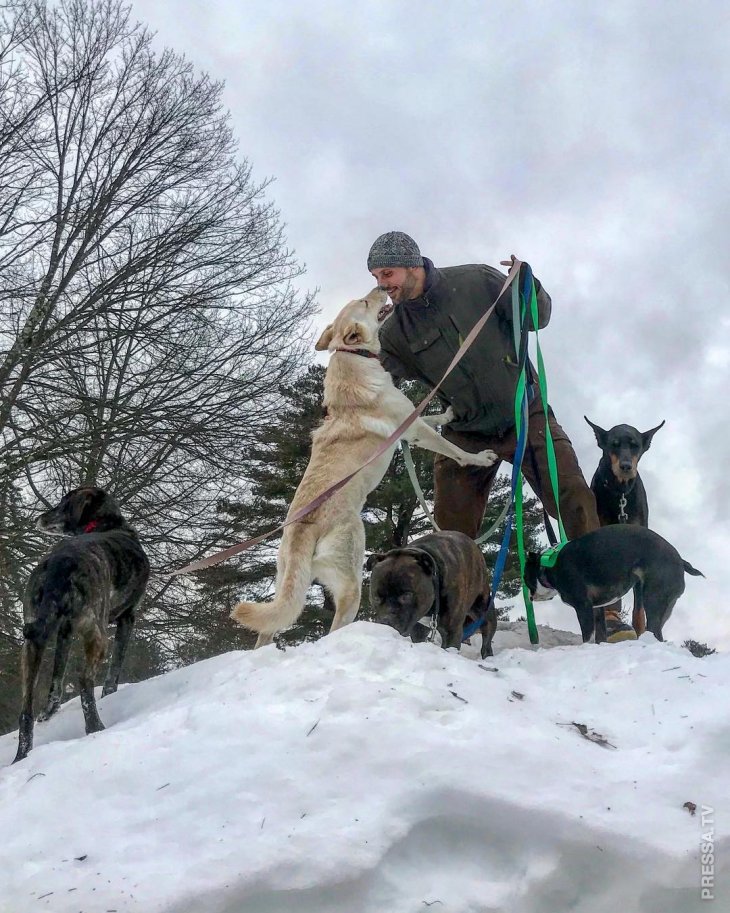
373 560
599 432
85 502
646 436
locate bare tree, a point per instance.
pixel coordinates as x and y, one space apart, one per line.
147 307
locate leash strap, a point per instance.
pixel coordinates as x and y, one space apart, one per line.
412 475
383 448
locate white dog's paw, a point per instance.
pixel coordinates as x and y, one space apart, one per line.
448 416
483 458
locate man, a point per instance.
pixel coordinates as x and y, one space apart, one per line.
435 309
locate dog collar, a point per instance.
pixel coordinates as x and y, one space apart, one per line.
90 527
363 352
549 557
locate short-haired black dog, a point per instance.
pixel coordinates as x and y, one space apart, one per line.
442 575
596 569
620 493
96 575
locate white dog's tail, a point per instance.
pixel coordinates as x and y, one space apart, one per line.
293 579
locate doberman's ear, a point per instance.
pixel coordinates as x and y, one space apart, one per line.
599 432
325 339
373 559
646 436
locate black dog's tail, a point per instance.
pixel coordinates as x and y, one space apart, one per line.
692 570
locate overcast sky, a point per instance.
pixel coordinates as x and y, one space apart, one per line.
591 139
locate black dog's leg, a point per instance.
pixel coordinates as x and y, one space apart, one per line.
63 646
125 624
586 618
36 638
599 617
638 618
94 650
658 608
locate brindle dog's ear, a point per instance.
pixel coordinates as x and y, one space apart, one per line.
325 339
373 560
646 436
426 562
599 432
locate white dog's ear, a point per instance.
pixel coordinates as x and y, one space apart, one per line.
353 334
325 339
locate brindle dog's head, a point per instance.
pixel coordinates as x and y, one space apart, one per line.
357 324
623 445
402 587
87 509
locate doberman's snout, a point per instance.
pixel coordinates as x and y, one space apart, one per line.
625 465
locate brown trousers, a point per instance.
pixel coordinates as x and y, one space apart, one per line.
461 492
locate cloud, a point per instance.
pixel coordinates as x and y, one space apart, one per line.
590 140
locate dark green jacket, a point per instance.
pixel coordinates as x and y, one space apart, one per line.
421 336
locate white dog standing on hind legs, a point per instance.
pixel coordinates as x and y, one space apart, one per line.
363 409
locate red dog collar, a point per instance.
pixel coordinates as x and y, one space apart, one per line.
363 352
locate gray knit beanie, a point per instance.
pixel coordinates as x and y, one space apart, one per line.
394 248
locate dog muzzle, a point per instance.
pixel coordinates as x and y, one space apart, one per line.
543 592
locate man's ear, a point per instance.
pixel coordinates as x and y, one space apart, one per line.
373 560
599 432
325 339
646 436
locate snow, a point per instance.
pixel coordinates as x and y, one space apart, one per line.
364 773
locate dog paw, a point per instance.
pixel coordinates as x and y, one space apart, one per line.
47 713
483 458
448 416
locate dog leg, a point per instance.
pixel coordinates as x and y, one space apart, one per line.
263 640
422 436
443 418
125 625
638 617
31 656
347 602
63 646
94 650
599 621
586 618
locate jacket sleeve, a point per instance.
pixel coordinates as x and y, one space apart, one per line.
544 303
394 366
544 306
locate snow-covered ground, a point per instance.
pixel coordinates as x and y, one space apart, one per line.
366 774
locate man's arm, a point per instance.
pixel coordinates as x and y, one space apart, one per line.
544 302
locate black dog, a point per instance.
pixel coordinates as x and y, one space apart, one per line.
95 576
620 493
442 575
596 569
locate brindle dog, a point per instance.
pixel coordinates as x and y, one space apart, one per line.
442 575
96 575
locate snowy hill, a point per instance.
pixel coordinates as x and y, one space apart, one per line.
363 773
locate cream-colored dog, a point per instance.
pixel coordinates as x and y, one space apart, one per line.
363 409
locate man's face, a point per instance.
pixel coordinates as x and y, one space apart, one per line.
400 282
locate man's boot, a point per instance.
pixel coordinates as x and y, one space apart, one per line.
616 629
